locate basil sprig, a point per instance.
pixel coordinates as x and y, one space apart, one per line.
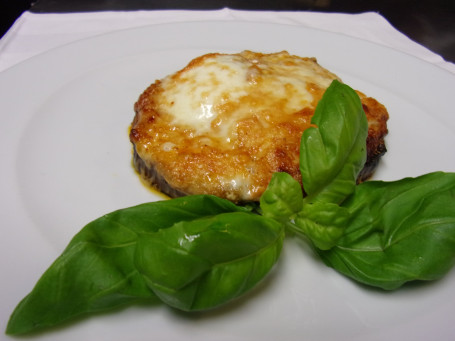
194 253
332 153
199 252
382 234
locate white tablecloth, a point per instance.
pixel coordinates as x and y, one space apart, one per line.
34 33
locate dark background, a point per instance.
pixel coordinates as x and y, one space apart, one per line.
428 22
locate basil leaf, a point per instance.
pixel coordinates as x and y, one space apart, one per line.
282 198
88 277
96 271
203 263
398 231
334 151
323 223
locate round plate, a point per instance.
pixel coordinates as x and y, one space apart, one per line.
66 160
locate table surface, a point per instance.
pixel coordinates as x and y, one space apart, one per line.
428 22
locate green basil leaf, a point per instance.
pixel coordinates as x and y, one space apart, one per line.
88 277
96 271
204 263
334 151
282 198
398 231
323 223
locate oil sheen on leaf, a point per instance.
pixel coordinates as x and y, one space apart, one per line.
203 263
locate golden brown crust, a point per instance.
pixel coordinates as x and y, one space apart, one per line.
179 161
377 117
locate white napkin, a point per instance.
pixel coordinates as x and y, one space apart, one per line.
34 33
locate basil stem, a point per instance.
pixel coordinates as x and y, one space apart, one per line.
282 199
323 223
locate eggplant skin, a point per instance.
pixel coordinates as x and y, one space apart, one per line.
153 178
225 123
377 116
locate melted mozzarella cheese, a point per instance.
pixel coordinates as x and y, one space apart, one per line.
213 94
224 124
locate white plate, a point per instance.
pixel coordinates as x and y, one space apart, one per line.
66 160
